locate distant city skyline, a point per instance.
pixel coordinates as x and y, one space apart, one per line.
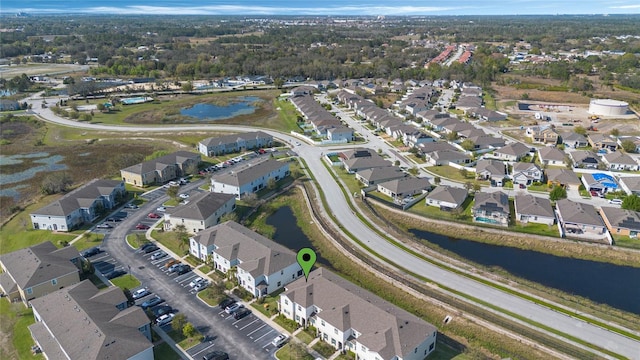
326 7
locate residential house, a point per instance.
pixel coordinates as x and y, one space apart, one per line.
542 135
584 159
534 209
401 188
580 220
491 208
630 184
620 221
340 133
526 173
457 127
485 114
486 142
492 170
353 319
38 270
82 205
599 182
250 177
9 105
574 140
202 211
447 157
263 266
447 197
361 159
374 176
415 138
82 322
620 161
512 152
161 170
600 141
562 177
551 156
214 146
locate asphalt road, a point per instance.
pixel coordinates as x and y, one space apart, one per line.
338 205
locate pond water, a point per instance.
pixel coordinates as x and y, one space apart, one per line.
242 105
289 234
614 285
49 163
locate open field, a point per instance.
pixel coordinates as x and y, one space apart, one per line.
32 69
15 339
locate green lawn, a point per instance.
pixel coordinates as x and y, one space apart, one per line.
14 320
287 324
88 241
270 304
168 239
541 188
305 337
288 115
164 352
298 353
350 180
127 281
625 241
444 352
212 295
449 172
324 349
421 208
185 342
538 229
136 240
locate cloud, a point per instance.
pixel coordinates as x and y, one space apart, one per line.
634 6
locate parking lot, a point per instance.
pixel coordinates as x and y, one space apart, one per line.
255 331
106 264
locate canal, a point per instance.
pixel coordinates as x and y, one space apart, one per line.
614 285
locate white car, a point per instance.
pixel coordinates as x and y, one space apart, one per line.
233 308
201 286
615 201
140 293
196 281
280 340
183 196
158 255
161 209
165 319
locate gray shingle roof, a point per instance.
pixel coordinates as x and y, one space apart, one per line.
235 138
375 174
385 328
618 157
448 194
406 184
562 176
579 213
258 254
621 218
249 172
87 325
533 205
490 202
632 182
39 263
172 159
201 206
514 149
551 153
493 167
82 197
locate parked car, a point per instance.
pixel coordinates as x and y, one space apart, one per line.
233 308
615 201
104 226
183 269
280 340
201 286
216 355
262 151
153 216
171 262
142 227
114 219
151 248
196 281
242 313
174 267
131 206
226 302
165 319
158 255
140 293
146 245
161 310
161 208
91 252
151 302
183 196
114 274
173 183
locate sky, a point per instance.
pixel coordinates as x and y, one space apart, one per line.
324 7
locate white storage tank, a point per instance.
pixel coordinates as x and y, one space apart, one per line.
608 107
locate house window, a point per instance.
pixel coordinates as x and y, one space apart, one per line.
54 281
279 283
322 322
29 291
286 302
335 331
281 272
431 346
300 273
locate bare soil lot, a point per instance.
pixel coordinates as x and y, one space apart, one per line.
40 69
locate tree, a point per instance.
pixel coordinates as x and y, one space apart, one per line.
628 146
182 235
468 145
437 180
558 192
172 191
271 184
232 216
452 136
251 199
464 173
187 87
278 82
191 168
396 163
468 185
189 330
614 132
129 296
179 321
631 202
580 130
56 182
101 107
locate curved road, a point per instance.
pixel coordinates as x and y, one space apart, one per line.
587 332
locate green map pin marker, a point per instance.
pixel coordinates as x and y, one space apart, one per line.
306 258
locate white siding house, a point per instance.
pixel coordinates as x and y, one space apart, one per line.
249 178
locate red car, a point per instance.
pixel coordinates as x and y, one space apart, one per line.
262 151
142 227
153 216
